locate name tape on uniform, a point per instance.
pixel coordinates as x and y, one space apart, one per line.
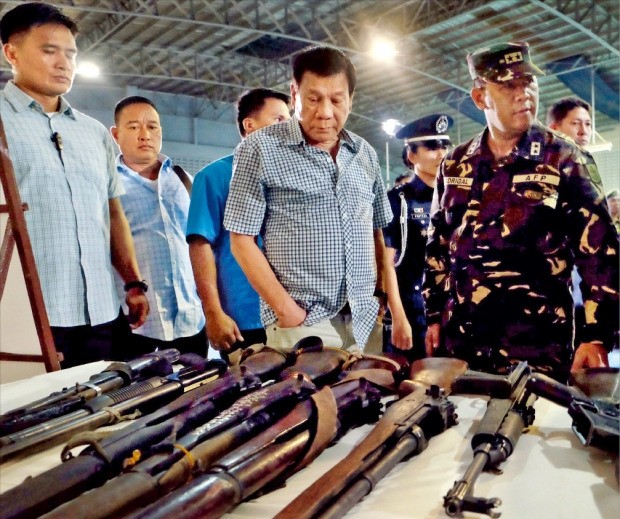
459 181
536 177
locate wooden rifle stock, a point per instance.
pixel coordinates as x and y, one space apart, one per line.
402 419
272 456
203 445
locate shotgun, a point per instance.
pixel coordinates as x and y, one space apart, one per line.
273 455
115 376
105 457
143 396
169 468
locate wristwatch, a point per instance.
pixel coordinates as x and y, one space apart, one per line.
136 284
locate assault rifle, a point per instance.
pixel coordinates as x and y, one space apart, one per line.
106 456
403 430
496 438
115 376
142 396
274 454
593 403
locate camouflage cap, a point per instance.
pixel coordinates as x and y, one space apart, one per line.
502 62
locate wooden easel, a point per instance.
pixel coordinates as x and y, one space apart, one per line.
16 233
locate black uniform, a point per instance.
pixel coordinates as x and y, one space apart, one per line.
418 196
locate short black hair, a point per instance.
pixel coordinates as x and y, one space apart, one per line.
252 101
131 100
33 14
324 61
560 109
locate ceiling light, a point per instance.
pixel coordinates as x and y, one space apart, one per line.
88 69
391 126
599 146
383 50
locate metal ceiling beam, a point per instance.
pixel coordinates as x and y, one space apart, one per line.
577 23
236 28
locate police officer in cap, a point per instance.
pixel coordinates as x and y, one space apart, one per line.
514 209
426 143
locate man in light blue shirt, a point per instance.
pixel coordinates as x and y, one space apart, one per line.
64 167
229 301
314 191
156 203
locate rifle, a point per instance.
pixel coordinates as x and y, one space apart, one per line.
105 457
402 431
167 470
142 396
593 404
496 438
274 454
115 376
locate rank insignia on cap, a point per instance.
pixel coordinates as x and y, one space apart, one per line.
442 124
513 57
502 62
431 127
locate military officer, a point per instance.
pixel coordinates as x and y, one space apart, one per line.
514 209
426 144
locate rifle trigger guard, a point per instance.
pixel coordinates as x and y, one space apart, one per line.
90 438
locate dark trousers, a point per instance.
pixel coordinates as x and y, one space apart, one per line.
86 343
139 344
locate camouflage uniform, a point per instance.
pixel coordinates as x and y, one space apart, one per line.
503 239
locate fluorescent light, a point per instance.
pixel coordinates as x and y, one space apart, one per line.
391 126
383 50
599 146
88 69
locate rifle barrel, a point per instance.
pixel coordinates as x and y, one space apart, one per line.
103 410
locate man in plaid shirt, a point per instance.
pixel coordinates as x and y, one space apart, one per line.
314 191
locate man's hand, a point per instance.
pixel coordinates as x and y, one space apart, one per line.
222 331
402 335
433 334
138 307
291 315
590 355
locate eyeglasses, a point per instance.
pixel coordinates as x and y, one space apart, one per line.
432 144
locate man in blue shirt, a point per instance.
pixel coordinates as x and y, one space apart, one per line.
156 203
229 301
64 166
314 192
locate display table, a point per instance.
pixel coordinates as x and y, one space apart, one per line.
550 475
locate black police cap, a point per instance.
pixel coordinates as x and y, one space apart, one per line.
431 127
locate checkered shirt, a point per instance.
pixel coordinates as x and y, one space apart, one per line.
157 216
68 217
317 219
